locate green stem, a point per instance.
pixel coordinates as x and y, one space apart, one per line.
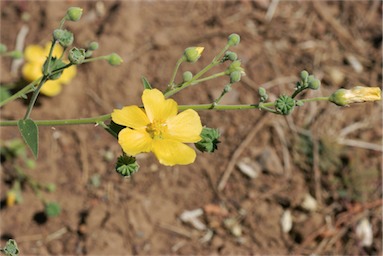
25 90
34 97
107 128
187 84
316 99
89 120
178 64
62 22
209 78
47 70
96 58
215 62
99 119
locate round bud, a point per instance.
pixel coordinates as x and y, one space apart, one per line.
114 59
187 76
314 84
232 56
304 75
76 56
64 37
235 76
88 53
234 66
262 91
233 39
93 46
73 13
263 94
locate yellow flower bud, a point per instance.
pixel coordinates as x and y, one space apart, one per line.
344 97
192 54
11 198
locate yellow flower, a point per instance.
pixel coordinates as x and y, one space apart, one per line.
159 129
11 198
35 57
344 97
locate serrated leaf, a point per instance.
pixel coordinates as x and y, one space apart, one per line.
146 83
30 134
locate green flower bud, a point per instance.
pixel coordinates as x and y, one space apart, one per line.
73 13
88 53
235 76
76 56
209 140
114 59
227 88
314 84
52 209
126 165
233 40
64 37
284 105
263 94
3 48
304 75
310 78
234 66
93 46
232 56
54 64
192 54
187 76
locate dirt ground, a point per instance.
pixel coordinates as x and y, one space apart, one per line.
328 152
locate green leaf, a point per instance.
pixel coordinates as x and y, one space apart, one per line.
30 134
146 83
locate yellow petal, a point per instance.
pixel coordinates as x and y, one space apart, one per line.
31 71
131 116
34 53
134 142
169 152
67 75
185 127
156 107
51 88
57 50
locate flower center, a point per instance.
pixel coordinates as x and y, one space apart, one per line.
156 129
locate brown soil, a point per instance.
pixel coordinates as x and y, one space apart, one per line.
141 215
